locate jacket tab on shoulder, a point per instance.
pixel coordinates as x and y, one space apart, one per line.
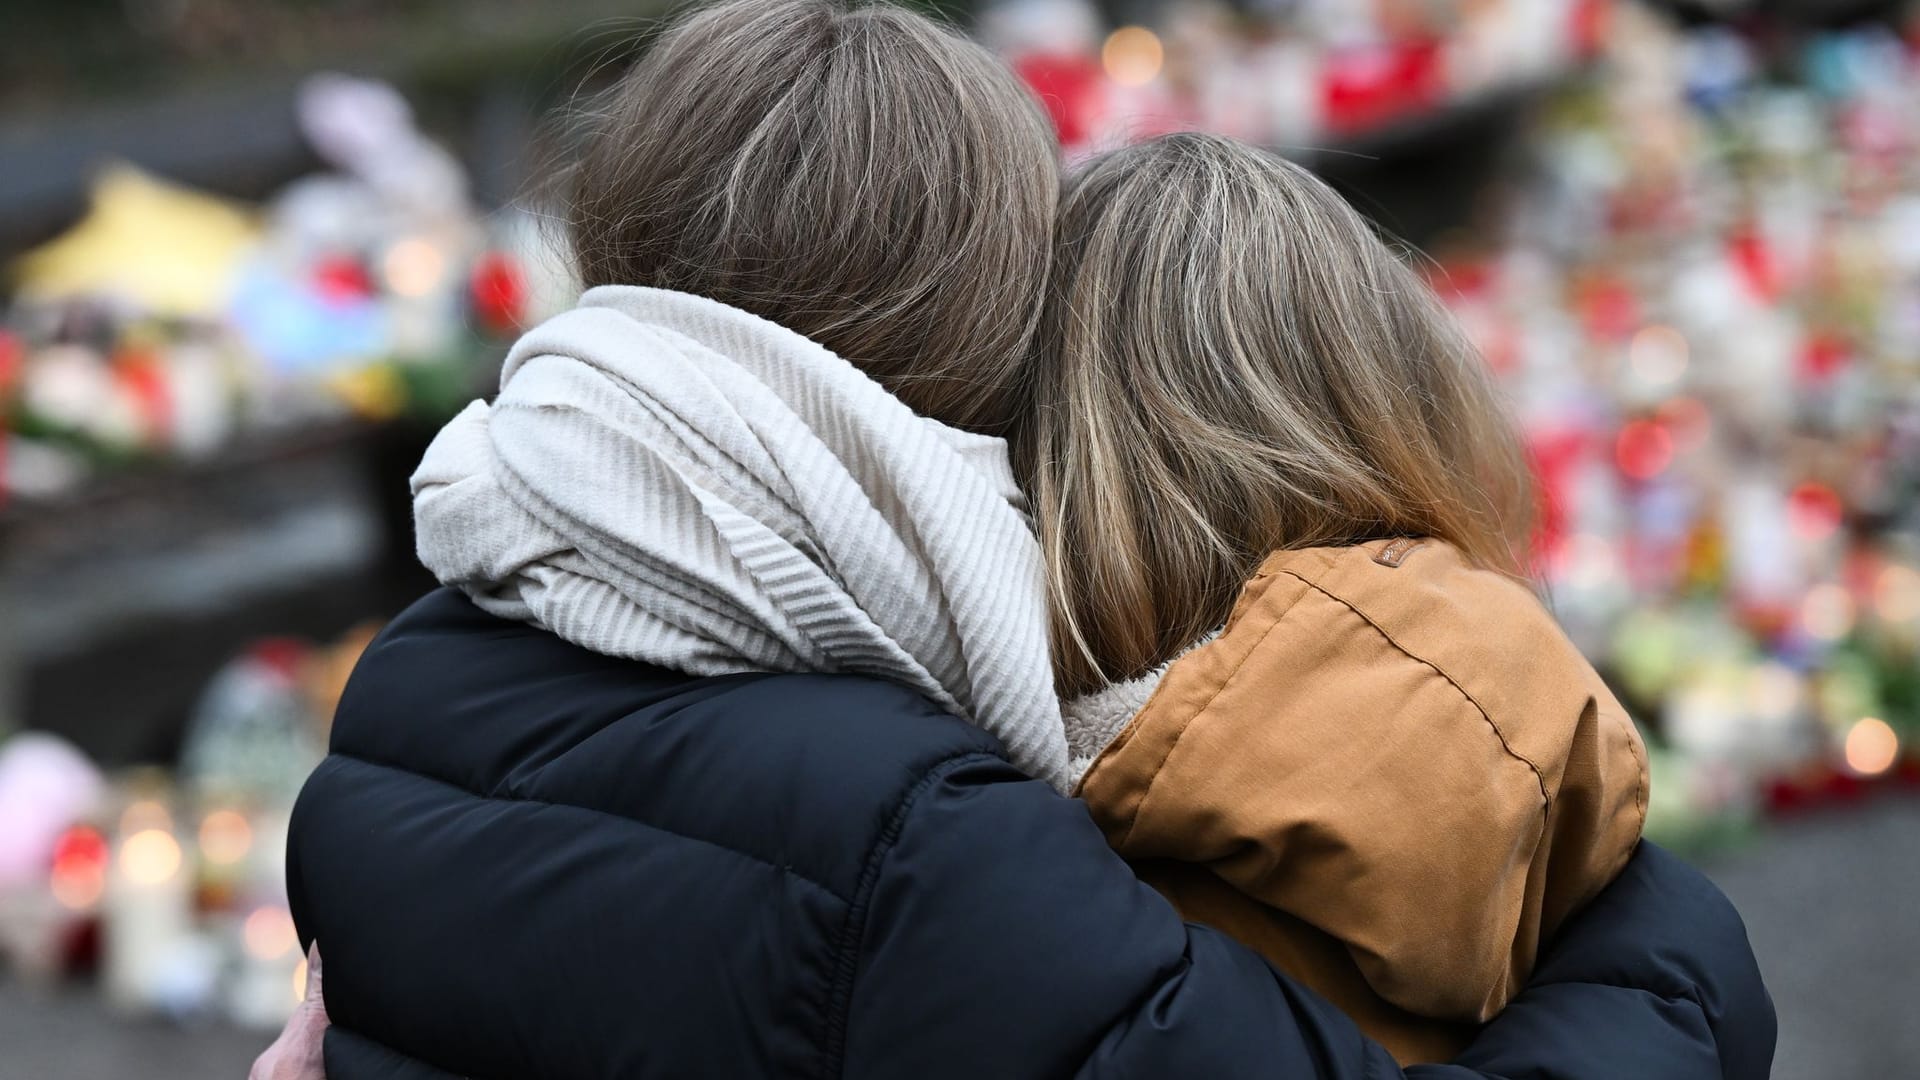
1397 551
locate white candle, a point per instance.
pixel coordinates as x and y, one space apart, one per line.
148 909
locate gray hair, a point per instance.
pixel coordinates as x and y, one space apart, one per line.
859 174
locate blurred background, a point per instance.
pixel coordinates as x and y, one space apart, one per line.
253 253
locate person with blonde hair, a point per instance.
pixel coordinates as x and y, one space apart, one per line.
730 746
1285 517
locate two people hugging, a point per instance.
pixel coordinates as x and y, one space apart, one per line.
915 618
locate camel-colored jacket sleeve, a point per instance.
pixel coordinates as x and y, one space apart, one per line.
1396 750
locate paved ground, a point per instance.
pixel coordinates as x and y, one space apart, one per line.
1833 904
73 1037
1833 907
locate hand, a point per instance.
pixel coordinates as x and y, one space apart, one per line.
297 1054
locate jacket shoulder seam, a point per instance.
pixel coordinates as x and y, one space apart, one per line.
1540 778
1641 792
854 923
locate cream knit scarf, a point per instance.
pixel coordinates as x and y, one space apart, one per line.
673 480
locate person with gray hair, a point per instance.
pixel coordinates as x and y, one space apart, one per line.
730 746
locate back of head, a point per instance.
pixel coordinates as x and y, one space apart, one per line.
1234 364
858 174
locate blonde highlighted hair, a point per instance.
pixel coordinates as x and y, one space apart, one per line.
853 171
1233 363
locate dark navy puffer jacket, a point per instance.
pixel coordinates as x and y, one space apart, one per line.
525 860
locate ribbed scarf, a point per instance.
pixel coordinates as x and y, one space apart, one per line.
670 479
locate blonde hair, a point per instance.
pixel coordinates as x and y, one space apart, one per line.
1234 364
859 174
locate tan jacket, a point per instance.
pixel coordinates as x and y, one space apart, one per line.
1392 774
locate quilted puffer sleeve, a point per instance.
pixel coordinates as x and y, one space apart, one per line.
1655 978
998 935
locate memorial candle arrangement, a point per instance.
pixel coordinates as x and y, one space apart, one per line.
1704 297
1706 303
168 324
168 884
1302 74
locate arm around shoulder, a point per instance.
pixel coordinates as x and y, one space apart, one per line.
1654 979
1000 936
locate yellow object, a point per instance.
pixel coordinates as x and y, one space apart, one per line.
171 250
375 391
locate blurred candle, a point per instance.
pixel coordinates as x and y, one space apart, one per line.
1896 594
147 911
1827 613
1872 746
270 962
1658 354
225 837
1132 56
